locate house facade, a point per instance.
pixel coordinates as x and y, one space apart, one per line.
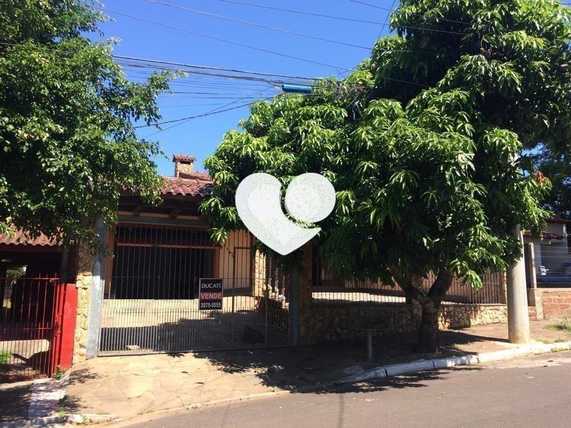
143 291
140 292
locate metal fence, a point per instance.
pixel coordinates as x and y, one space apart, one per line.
28 326
152 299
354 291
179 325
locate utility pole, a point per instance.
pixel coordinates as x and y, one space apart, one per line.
518 312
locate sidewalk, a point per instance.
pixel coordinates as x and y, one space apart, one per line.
129 386
14 401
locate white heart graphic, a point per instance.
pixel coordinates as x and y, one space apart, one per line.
309 198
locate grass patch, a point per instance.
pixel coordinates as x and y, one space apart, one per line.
550 342
563 325
5 357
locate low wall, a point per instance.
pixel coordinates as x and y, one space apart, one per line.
337 321
556 302
463 315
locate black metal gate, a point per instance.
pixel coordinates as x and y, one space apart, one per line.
151 303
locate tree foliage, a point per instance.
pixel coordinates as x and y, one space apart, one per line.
424 144
67 143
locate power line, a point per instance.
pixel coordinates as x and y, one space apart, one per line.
376 6
215 97
214 111
198 72
211 68
157 64
414 27
386 21
233 43
301 12
256 25
189 83
197 116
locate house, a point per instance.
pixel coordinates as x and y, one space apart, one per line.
141 292
31 312
548 270
550 253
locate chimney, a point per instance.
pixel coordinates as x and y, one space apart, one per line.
182 165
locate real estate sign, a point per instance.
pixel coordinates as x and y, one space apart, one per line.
210 294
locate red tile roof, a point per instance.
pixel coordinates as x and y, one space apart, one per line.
196 184
20 238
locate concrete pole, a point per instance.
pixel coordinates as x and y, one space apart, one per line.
96 292
518 312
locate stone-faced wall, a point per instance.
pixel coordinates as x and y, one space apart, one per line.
83 283
464 315
337 321
259 273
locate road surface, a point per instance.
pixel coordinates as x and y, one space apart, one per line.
532 392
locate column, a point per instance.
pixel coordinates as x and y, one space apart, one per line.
518 311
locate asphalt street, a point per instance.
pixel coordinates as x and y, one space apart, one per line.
532 392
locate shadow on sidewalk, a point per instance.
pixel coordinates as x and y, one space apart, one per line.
312 368
14 403
72 404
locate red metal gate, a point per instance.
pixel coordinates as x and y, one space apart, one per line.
37 325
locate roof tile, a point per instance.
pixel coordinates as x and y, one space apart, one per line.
196 184
18 237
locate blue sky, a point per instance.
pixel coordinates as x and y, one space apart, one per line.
153 30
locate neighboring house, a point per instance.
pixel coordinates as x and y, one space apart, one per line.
551 253
31 308
548 270
37 256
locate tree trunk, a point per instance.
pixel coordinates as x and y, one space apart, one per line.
430 303
428 334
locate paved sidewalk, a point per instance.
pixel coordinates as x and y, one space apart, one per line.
14 401
129 386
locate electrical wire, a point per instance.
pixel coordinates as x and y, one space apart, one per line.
211 68
387 18
453 21
156 64
197 116
301 12
255 24
233 43
376 6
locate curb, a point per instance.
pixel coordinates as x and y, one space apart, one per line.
448 362
365 375
128 421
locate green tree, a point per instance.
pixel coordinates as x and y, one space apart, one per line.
67 143
424 144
